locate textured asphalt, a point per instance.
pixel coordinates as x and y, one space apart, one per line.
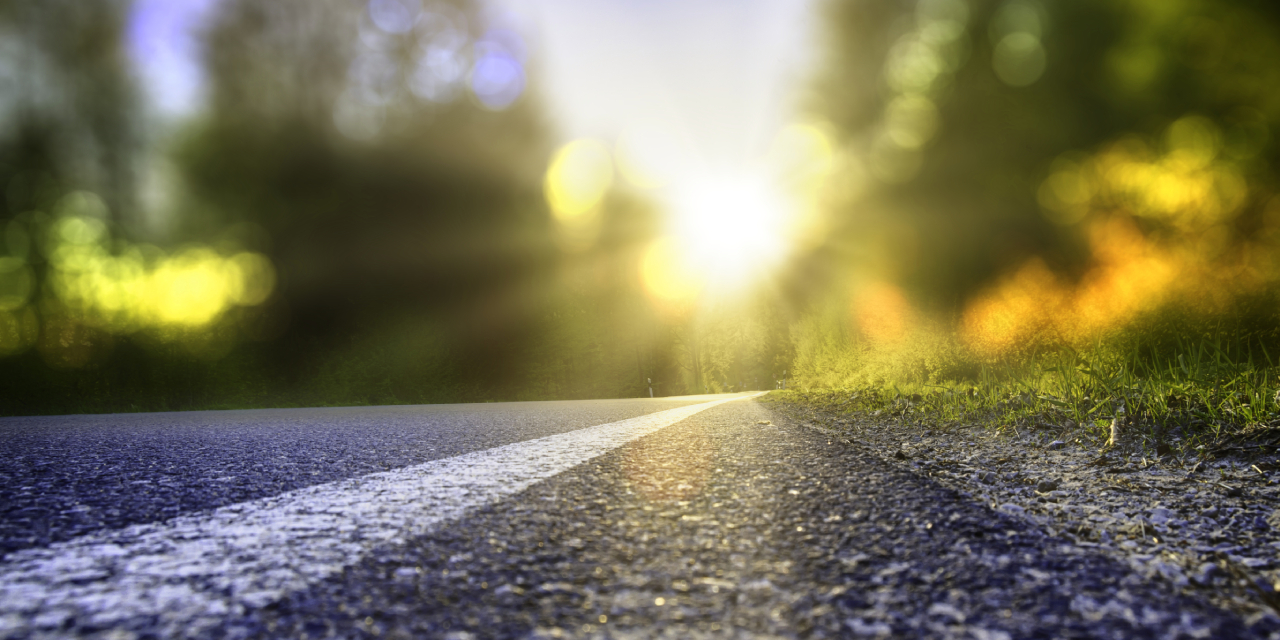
65 476
735 523
720 526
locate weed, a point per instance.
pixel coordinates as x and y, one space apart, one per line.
1203 390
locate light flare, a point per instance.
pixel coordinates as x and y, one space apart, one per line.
732 227
882 313
1132 275
577 181
737 225
97 285
667 275
650 156
1188 187
1185 187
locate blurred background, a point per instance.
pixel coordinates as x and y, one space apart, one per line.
229 203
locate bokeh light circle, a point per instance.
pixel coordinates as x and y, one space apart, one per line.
497 79
1019 59
394 16
578 177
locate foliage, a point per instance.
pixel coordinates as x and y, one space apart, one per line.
1177 378
954 169
832 352
1050 209
69 118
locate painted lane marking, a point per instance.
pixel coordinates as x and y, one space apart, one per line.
186 574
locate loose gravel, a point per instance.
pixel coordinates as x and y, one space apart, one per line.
1201 526
742 522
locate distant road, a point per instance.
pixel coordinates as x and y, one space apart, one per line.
65 476
703 516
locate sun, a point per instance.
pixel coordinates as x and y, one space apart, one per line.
731 228
727 228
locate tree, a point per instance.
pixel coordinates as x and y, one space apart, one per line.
393 157
68 117
953 114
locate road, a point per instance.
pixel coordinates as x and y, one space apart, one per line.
701 516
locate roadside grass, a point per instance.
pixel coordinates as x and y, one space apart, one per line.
1205 394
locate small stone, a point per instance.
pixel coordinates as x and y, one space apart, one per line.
947 611
1013 509
979 633
1256 563
900 454
1206 572
1046 485
1055 445
1274 519
875 628
1168 571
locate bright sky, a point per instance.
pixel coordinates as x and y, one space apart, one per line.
163 41
719 74
691 96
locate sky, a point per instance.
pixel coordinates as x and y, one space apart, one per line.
718 76
163 42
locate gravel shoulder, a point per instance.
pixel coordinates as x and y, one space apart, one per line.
744 522
1204 527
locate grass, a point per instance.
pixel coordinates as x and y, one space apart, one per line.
1188 394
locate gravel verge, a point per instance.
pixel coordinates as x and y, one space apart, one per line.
740 522
1204 526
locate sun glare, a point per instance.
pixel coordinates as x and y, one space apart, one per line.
733 228
724 230
668 276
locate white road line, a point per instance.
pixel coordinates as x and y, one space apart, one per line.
187 574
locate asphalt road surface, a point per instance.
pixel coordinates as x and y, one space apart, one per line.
703 516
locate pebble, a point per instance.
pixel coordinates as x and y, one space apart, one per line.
1088 499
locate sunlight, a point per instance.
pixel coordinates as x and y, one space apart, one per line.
667 274
883 313
725 228
733 228
577 180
